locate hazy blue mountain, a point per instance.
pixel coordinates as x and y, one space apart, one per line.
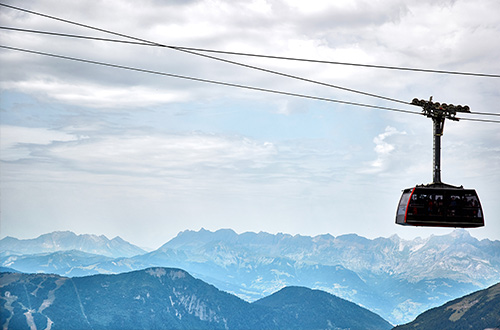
397 279
417 259
165 298
258 275
315 309
8 270
479 310
67 263
66 240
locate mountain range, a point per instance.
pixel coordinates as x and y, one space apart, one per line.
479 310
66 240
395 278
166 298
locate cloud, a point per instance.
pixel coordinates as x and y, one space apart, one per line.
95 95
383 149
163 155
288 107
16 141
137 154
182 161
355 31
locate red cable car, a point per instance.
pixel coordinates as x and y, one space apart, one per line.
438 204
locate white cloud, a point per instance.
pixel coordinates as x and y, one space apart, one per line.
383 149
96 95
138 154
15 140
386 32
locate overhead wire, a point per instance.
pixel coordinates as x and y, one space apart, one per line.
486 113
387 67
77 36
146 44
140 41
207 56
118 66
480 120
261 55
273 91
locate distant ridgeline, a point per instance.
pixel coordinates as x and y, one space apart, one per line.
166 298
480 310
67 241
394 278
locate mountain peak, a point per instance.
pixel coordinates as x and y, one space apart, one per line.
189 238
460 233
478 310
67 240
297 302
59 234
395 238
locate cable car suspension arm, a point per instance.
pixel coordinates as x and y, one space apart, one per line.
438 112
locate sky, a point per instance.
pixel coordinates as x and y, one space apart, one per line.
107 151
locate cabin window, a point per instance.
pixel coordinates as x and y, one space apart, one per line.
403 203
456 204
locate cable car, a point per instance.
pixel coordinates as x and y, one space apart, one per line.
439 204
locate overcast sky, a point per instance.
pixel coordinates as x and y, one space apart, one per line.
101 150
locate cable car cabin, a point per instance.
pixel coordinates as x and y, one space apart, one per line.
439 205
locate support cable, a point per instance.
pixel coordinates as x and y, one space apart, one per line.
489 75
206 56
153 45
207 80
273 91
